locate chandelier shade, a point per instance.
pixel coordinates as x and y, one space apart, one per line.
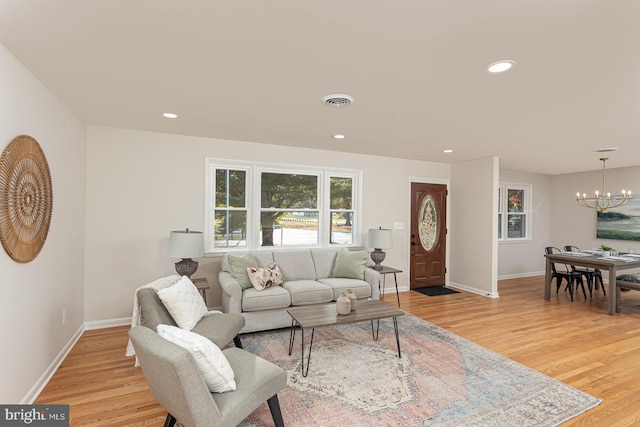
603 201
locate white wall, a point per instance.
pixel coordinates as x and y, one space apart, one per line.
572 224
518 259
474 243
34 294
141 185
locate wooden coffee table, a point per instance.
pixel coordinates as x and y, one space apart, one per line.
317 316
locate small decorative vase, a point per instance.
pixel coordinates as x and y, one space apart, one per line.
343 304
352 299
606 253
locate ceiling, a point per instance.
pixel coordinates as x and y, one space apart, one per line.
257 70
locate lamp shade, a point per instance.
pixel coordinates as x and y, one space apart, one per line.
379 238
186 244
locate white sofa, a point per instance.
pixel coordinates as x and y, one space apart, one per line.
308 279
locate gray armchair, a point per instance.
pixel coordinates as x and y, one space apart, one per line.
177 385
220 328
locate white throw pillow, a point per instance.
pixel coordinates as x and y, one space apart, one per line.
184 303
211 362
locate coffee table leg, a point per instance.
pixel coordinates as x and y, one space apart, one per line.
292 336
305 372
375 332
395 328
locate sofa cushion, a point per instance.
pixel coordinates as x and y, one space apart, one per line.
350 264
273 297
304 292
238 265
359 287
296 265
184 302
263 258
323 260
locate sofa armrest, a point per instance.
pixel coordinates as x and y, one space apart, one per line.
372 277
231 293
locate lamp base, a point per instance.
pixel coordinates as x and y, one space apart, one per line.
186 267
377 256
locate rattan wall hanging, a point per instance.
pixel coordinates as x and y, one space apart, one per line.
26 199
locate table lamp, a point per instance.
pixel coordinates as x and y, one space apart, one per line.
186 245
379 238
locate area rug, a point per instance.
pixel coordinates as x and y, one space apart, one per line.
441 380
433 291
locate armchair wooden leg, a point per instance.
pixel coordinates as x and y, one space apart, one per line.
274 407
237 341
170 421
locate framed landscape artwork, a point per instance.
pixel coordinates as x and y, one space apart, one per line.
620 223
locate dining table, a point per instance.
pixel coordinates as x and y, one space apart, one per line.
593 259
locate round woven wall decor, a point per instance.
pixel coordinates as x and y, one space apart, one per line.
26 199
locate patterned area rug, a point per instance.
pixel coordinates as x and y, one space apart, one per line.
441 380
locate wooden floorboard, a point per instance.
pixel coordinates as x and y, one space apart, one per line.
576 342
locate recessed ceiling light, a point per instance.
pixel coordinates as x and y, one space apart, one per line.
605 150
447 151
501 66
339 136
170 115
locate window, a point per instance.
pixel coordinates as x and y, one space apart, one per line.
289 212
514 207
250 206
230 208
341 209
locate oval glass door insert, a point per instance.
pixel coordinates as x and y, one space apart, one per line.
428 223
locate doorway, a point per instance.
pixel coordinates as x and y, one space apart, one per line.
428 235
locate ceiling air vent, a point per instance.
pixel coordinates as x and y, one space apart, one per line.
337 100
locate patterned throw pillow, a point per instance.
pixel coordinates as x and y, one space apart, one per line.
262 278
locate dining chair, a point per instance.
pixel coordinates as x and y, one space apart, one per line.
564 271
591 274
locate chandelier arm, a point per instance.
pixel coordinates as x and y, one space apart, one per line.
604 189
603 202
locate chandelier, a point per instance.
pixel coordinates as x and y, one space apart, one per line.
604 201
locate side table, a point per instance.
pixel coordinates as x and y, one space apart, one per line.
388 270
202 284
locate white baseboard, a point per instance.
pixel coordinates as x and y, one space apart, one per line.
519 275
44 379
122 321
473 290
392 289
109 323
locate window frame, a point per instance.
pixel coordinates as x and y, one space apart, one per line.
503 213
254 172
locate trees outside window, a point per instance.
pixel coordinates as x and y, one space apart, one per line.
230 208
258 205
285 200
341 209
514 212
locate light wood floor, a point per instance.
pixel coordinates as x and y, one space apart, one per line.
577 343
